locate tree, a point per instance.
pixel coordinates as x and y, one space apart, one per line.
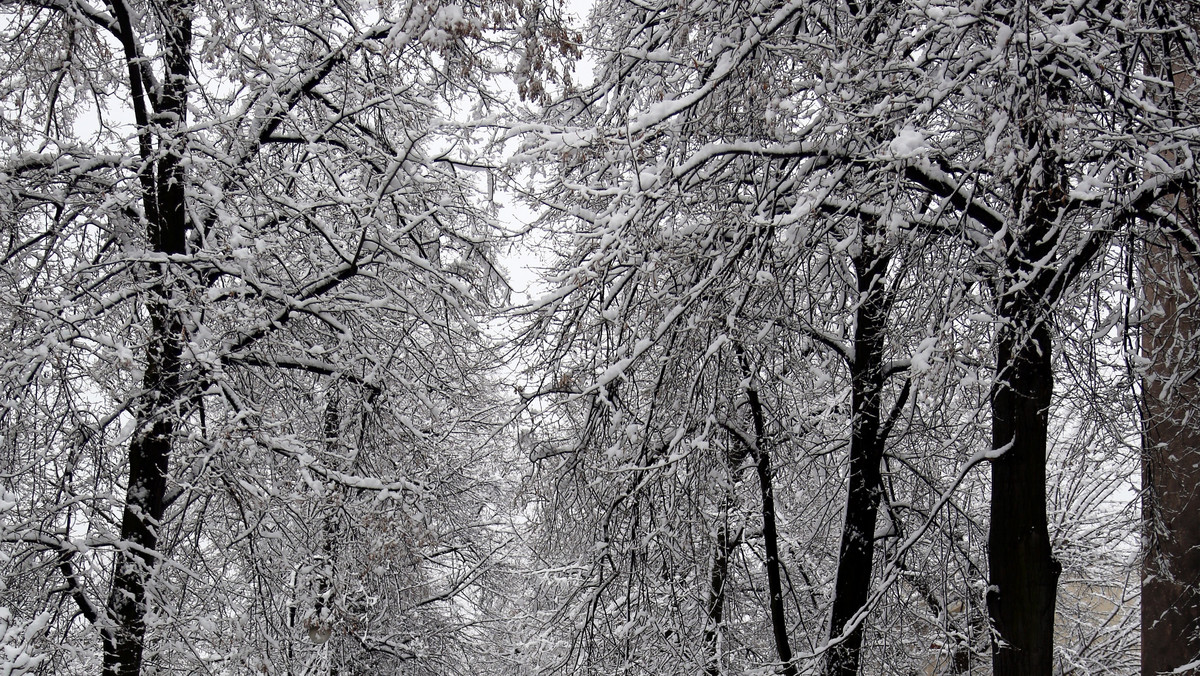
816 266
1017 132
247 267
1045 221
1053 234
1171 574
725 206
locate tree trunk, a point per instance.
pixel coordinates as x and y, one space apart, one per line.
774 572
1170 435
857 551
1024 574
1034 276
158 412
762 457
719 577
726 543
1171 469
771 538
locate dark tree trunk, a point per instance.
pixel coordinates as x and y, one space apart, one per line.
726 543
857 551
771 539
762 464
774 577
1171 469
1171 408
1024 573
1022 568
719 577
159 411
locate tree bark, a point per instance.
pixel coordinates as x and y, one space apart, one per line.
1170 610
1033 279
158 412
718 578
1171 469
774 573
771 538
857 551
762 464
1024 573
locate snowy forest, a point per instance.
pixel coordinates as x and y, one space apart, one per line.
616 338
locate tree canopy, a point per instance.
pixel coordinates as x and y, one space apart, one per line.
862 338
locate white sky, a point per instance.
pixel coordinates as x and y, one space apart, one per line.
523 261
